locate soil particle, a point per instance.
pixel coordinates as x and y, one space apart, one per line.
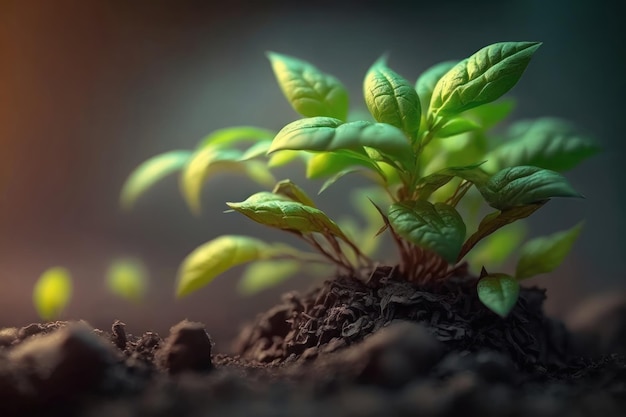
187 348
8 336
60 366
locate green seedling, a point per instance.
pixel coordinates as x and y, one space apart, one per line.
429 150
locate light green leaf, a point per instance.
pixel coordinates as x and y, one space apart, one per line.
311 92
391 99
490 114
522 185
256 150
292 191
52 293
231 135
482 78
497 248
456 126
217 256
325 164
149 173
499 293
342 174
545 254
496 220
262 275
437 227
547 143
283 213
426 82
210 161
328 134
127 278
281 158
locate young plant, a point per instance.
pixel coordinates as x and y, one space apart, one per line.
428 150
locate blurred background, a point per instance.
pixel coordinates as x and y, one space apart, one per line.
90 89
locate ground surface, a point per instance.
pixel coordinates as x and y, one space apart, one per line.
348 348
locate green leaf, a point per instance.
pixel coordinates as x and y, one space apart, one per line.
262 275
256 150
52 293
456 126
437 227
149 173
128 279
231 135
481 78
342 174
496 220
490 114
522 185
547 143
311 92
431 183
545 254
391 99
217 256
283 213
210 161
426 82
499 293
290 190
497 248
328 134
326 164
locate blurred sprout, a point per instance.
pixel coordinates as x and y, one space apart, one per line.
127 278
52 293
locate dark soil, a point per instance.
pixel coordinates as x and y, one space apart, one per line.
348 348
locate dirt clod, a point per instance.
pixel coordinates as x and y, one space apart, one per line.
187 348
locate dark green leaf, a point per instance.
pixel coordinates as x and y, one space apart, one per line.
328 134
149 173
311 92
499 293
546 143
437 227
283 213
545 254
426 82
482 78
391 99
523 185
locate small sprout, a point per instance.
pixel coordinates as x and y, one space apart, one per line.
52 293
128 279
428 150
